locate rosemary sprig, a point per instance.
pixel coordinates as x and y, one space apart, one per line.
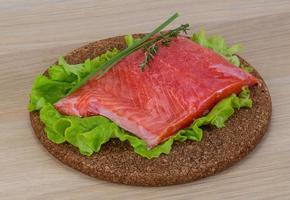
102 69
149 54
151 48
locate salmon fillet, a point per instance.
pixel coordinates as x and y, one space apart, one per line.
181 83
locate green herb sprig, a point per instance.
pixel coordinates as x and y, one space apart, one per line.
151 48
104 68
149 54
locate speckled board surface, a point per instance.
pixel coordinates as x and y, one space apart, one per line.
188 161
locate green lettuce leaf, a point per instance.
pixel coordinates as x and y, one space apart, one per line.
90 133
219 45
45 90
61 78
129 40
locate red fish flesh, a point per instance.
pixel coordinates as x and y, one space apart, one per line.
181 83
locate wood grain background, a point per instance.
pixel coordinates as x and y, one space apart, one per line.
33 33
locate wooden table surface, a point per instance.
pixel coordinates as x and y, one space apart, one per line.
34 33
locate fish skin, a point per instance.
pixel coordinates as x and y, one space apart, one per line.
181 83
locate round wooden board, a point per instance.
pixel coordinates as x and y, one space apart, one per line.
188 161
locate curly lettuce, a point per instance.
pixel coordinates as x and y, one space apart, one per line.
218 44
129 40
61 78
90 133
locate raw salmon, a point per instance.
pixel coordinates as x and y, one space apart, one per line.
181 83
